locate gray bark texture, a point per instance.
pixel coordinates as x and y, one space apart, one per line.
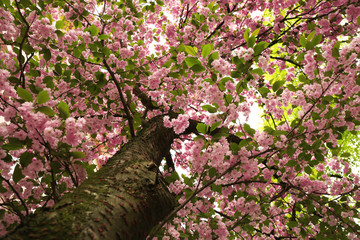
125 199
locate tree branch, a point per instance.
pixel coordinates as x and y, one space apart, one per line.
22 217
126 107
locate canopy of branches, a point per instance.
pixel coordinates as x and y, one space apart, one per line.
80 78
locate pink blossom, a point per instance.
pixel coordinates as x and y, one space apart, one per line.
171 31
180 123
129 25
154 82
167 122
180 57
126 53
222 66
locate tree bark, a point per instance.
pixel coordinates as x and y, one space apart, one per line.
125 199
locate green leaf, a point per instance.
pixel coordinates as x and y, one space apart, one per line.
58 68
172 178
260 47
106 17
327 98
141 21
235 74
358 20
46 110
202 128
258 71
279 133
264 91
228 99
335 50
34 73
277 85
308 170
239 134
93 30
77 52
48 80
290 150
244 142
246 34
160 3
249 130
7 4
192 61
59 33
316 40
198 68
251 41
42 97
100 76
206 50
255 33
309 46
59 24
214 56
14 144
188 192
302 40
90 168
212 172
311 35
77 154
268 129
28 49
26 159
302 78
331 113
181 48
291 87
63 110
190 50
292 224
291 163
300 57
215 125
103 37
17 175
209 108
234 147
216 188
24 94
62 187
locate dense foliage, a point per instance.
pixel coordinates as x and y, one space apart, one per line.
80 78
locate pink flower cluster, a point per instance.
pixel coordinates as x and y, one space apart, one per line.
310 65
74 131
221 65
155 79
126 53
264 139
179 124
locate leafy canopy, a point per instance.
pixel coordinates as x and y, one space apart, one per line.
78 80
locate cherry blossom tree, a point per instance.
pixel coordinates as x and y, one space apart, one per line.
104 101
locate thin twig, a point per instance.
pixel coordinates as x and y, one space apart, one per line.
18 195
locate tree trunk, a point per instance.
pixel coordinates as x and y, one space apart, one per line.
123 200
